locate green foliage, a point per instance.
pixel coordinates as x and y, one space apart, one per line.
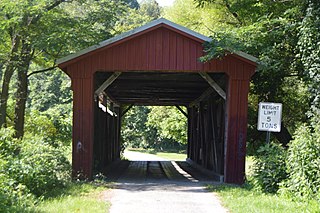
135 17
135 133
303 164
205 20
14 197
39 166
8 145
150 8
169 122
269 168
28 169
309 52
154 127
221 45
50 91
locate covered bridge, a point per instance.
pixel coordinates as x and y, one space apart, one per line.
158 64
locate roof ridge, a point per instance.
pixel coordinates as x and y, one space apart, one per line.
141 29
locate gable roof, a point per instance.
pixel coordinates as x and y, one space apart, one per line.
161 21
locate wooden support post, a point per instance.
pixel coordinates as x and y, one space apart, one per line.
214 85
107 83
83 122
182 111
236 130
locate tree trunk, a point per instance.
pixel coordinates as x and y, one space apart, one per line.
10 67
1 70
22 90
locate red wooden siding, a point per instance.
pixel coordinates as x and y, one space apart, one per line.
82 126
157 50
160 48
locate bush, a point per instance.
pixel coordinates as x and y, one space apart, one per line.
269 167
303 164
8 145
14 196
40 167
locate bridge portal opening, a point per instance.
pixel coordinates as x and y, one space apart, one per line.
190 93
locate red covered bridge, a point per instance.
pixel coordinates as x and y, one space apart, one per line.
157 64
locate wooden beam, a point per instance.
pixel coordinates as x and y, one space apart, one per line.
213 84
182 111
107 83
204 95
112 99
126 110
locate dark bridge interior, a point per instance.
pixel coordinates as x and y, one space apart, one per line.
158 88
205 114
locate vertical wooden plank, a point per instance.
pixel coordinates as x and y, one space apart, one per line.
193 56
88 71
108 62
130 55
186 55
137 53
173 51
180 50
166 53
159 49
199 53
152 51
144 55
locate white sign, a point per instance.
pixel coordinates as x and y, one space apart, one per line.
269 118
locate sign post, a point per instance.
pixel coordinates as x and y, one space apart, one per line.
269 118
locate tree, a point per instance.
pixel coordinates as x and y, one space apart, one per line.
269 31
135 17
135 132
205 20
80 24
309 53
169 122
150 8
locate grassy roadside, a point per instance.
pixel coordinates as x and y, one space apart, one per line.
246 200
170 155
76 197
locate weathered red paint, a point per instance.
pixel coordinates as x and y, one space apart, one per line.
160 48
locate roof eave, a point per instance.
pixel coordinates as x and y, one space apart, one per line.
135 31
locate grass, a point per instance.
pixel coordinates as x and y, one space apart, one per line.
246 200
169 155
76 197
